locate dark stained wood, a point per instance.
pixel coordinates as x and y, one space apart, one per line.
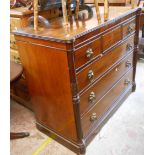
47 43
101 65
49 96
75 147
129 28
18 135
105 83
16 71
24 99
104 104
75 97
111 38
56 70
81 54
141 36
113 4
142 19
95 130
91 27
136 41
19 91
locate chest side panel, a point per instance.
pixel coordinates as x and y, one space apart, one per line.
48 79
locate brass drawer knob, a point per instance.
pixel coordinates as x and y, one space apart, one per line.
89 53
90 75
128 63
130 29
92 97
128 47
93 117
127 82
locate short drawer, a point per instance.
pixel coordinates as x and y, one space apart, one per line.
129 28
13 42
111 38
91 118
91 72
87 53
15 23
96 91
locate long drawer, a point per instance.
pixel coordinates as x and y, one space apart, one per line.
91 72
96 91
96 112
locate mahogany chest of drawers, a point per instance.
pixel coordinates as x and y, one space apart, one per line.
79 77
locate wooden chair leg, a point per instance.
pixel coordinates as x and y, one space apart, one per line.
19 135
97 11
77 9
64 10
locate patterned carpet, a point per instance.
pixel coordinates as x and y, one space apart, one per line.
122 135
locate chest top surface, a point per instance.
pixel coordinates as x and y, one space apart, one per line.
76 29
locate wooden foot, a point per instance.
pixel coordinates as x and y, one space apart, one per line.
19 135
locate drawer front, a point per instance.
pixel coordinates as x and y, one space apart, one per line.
111 38
15 23
96 69
95 92
92 117
87 53
14 56
13 42
129 28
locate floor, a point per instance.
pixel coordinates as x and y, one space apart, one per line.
122 135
